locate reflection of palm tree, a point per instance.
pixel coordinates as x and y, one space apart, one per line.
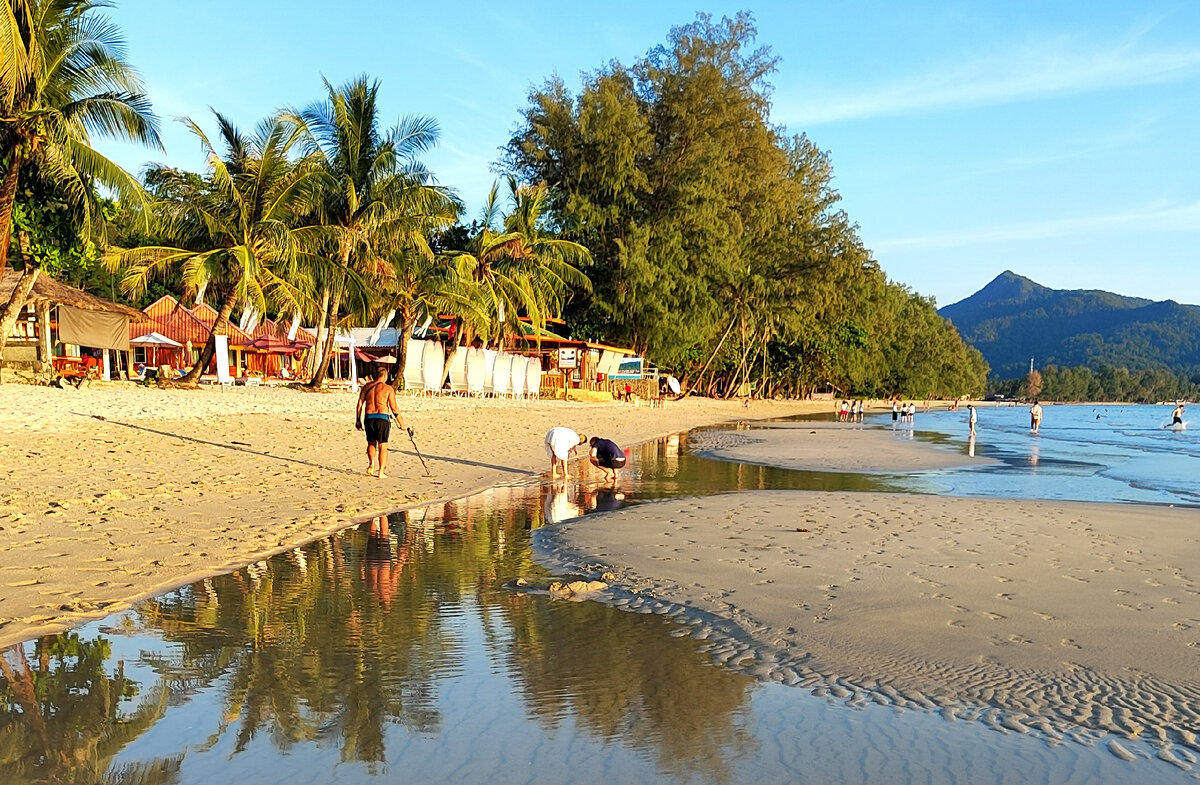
648 689
63 721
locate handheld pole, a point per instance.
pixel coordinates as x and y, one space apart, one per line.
418 449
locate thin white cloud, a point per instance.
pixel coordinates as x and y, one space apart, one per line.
1182 217
1034 71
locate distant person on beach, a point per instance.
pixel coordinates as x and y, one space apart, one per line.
895 411
559 443
1035 417
912 412
1177 415
377 402
608 456
972 417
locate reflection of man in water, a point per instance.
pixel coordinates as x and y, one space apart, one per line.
607 499
380 571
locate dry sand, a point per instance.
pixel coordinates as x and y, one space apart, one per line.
116 491
1048 615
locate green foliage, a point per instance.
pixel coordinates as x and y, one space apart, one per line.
1106 383
705 221
51 226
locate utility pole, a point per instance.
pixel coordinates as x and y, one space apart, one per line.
1031 365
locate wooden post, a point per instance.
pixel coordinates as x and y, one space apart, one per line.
45 346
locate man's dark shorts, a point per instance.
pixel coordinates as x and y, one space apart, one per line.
378 429
610 462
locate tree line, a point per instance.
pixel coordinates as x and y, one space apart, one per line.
1104 383
658 206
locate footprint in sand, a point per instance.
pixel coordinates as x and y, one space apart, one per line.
1069 643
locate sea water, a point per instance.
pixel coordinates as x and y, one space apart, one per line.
1082 452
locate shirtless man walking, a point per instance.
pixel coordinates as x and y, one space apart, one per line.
378 399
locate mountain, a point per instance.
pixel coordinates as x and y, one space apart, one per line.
1013 318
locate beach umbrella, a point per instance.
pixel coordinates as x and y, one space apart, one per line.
155 340
273 345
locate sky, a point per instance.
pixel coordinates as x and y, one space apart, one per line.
1054 139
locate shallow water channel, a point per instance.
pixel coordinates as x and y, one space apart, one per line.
393 651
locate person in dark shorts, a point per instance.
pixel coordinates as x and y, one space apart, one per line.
378 401
607 455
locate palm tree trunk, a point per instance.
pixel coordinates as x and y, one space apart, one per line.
319 373
210 346
8 198
406 327
12 309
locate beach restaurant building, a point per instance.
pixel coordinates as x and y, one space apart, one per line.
254 350
59 326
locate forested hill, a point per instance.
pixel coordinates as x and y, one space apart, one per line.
1013 318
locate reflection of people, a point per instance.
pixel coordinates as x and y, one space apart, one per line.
559 443
606 499
607 455
972 417
380 571
378 399
560 505
1035 417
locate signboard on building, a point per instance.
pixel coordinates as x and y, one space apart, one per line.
568 358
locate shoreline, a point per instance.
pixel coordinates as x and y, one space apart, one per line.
117 493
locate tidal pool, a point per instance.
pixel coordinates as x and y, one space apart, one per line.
392 651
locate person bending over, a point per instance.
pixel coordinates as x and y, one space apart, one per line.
559 443
376 406
608 456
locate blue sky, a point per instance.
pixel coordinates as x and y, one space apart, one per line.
1055 139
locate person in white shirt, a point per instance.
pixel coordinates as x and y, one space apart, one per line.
559 443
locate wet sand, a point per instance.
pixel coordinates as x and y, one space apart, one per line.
830 447
1050 615
116 492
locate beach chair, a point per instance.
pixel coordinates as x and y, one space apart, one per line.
533 378
414 382
476 371
433 366
501 374
517 376
489 367
456 370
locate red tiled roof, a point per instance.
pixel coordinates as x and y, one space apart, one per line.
176 322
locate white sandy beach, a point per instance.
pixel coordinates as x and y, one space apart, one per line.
114 492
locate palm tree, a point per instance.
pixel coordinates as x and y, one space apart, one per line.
379 198
423 287
63 78
522 267
236 227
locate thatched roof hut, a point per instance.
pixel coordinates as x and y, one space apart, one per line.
49 292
